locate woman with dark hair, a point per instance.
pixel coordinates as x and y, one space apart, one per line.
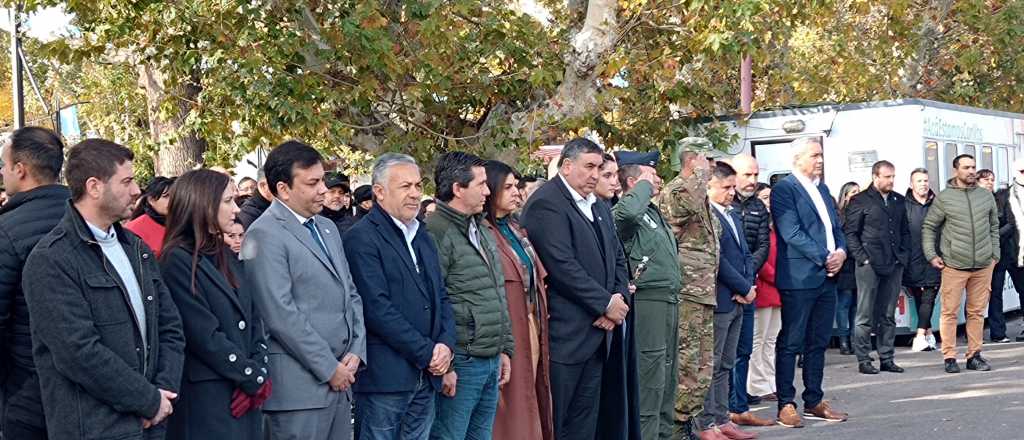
524 410
148 218
846 281
767 316
225 378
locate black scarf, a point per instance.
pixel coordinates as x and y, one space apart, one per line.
162 220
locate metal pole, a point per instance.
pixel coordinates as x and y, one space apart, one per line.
16 68
746 84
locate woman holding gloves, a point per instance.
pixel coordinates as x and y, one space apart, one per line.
225 378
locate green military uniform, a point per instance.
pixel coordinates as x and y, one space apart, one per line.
650 248
684 202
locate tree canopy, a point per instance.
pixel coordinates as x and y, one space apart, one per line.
209 80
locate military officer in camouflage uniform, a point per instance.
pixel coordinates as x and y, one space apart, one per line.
650 248
684 202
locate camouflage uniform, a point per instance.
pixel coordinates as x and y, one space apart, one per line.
685 204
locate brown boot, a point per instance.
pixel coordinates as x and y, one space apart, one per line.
711 434
749 419
734 433
789 418
825 412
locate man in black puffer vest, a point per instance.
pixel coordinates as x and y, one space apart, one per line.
32 159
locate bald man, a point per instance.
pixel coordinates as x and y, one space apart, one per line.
755 229
1010 203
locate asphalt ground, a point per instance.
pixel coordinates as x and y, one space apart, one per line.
924 402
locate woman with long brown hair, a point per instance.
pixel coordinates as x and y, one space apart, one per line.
524 410
225 377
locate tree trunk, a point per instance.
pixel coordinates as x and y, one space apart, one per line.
180 150
589 49
915 72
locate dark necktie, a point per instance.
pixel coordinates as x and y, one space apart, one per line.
311 226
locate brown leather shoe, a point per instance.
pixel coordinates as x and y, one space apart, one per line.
749 419
789 418
711 434
770 397
733 432
824 411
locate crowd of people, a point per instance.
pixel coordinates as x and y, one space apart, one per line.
603 303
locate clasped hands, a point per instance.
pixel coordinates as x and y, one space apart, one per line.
614 315
835 261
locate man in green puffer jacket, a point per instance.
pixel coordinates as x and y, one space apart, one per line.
965 217
475 281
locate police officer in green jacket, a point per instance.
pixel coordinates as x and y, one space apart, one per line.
650 248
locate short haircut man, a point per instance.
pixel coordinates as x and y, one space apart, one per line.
878 237
964 222
455 168
106 333
33 157
299 275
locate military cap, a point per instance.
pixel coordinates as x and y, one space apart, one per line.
701 145
637 158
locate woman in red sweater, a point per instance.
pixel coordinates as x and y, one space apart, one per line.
148 218
767 320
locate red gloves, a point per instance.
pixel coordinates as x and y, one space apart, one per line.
242 403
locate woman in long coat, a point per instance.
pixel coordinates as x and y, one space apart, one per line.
524 408
225 377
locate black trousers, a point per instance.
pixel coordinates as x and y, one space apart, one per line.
576 396
996 320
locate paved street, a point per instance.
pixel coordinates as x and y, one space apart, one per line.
924 402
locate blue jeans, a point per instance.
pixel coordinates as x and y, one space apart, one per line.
738 378
394 416
807 316
845 311
470 414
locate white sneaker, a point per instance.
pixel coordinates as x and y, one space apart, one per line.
920 343
931 341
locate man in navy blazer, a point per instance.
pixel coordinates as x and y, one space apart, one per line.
574 235
734 288
811 250
409 321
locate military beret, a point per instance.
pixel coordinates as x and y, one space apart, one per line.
637 158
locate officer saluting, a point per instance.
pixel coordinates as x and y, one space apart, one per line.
650 248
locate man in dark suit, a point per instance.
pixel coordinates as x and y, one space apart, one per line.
409 321
878 234
734 287
299 277
575 238
811 250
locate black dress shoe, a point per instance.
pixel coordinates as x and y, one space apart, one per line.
844 346
891 367
867 368
951 366
753 400
978 363
1020 337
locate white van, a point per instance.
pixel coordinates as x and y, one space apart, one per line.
910 133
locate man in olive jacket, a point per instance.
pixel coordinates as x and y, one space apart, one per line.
650 248
107 339
965 216
475 281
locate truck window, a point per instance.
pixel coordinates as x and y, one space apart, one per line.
948 155
985 160
1003 164
969 149
931 163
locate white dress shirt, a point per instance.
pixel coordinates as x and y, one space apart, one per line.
728 218
811 186
409 232
585 204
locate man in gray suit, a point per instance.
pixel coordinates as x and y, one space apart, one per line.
299 277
